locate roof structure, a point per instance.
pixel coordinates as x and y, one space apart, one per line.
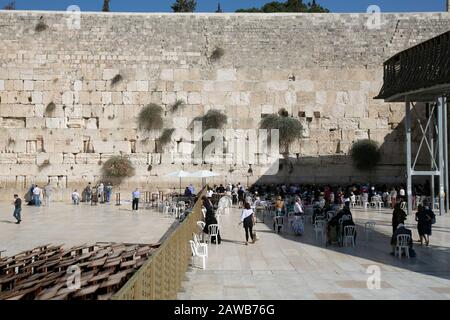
420 73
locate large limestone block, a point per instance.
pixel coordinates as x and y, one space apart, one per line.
25 158
55 123
75 123
68 158
35 123
69 145
361 134
13 123
368 123
8 158
167 74
138 158
145 146
121 146
101 146
108 74
226 75
181 74
277 85
91 123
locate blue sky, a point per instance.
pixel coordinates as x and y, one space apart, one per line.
228 5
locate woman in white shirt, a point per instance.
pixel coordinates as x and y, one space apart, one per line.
297 224
248 217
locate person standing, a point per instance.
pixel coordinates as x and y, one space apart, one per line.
398 216
37 196
248 219
393 197
297 225
48 191
88 192
17 208
108 191
210 218
75 197
135 196
424 218
101 192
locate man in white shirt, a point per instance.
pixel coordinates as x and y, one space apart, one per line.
75 197
135 196
209 193
37 196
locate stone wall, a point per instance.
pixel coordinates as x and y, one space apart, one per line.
324 69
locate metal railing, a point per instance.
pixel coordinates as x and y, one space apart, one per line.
422 66
161 276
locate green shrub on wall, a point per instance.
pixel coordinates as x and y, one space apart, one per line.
117 168
289 128
150 117
213 119
365 154
166 136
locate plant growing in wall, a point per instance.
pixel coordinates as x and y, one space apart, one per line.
176 105
166 136
50 108
289 128
213 119
365 154
11 141
150 117
117 168
44 164
216 54
117 79
41 26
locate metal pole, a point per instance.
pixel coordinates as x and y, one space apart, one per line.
446 155
440 103
431 135
408 155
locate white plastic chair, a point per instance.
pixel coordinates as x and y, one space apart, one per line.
196 253
201 247
365 201
349 235
319 227
403 205
374 201
279 222
369 226
201 227
166 209
213 231
402 244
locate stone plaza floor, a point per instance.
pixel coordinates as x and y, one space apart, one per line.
283 266
75 225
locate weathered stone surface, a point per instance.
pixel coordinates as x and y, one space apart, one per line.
327 80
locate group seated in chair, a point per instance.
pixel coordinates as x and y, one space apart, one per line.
336 225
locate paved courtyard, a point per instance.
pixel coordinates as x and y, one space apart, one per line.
288 267
75 225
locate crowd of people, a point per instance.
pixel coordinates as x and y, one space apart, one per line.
336 199
287 198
